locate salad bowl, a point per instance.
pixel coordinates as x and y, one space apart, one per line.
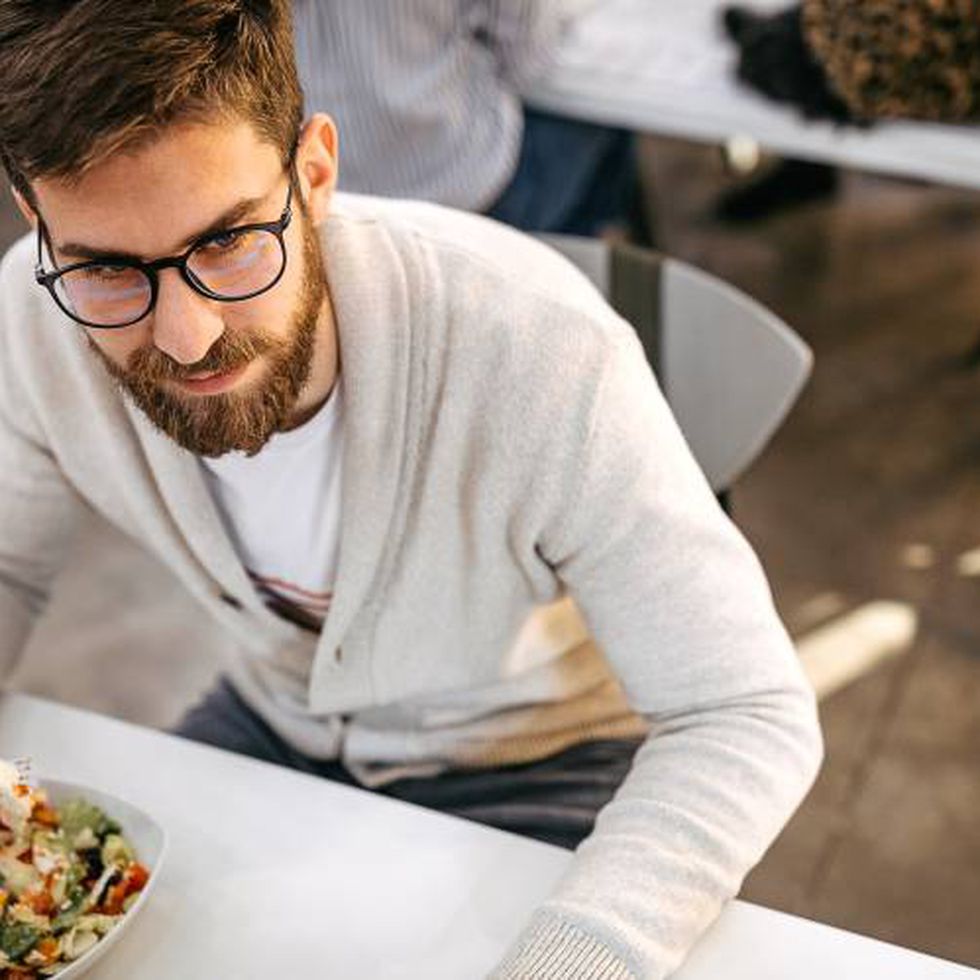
148 841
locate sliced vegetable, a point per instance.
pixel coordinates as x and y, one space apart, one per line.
79 815
117 851
18 939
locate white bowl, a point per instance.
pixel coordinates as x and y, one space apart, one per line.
148 840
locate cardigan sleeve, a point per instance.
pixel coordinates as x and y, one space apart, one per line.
38 508
678 602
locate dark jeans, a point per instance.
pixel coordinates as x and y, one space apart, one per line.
572 178
553 800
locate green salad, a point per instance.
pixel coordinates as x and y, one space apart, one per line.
67 877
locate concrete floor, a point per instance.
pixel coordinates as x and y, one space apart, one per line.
870 492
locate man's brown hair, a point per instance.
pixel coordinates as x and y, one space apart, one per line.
83 79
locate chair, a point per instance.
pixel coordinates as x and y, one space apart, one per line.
730 369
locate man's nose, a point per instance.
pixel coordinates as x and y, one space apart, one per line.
185 324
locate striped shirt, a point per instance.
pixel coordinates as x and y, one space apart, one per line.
425 93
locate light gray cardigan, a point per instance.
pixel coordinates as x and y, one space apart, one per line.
507 450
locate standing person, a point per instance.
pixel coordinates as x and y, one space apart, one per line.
428 97
407 457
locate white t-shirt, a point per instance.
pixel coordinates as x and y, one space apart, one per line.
282 510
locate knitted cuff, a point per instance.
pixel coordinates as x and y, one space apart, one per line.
552 949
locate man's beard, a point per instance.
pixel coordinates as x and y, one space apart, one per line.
212 425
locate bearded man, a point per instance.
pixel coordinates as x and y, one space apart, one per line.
409 458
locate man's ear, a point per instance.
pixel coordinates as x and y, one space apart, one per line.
316 165
22 205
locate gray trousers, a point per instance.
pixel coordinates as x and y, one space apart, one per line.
553 800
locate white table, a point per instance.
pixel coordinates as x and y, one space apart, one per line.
274 874
662 66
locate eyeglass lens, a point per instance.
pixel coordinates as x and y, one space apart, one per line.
232 266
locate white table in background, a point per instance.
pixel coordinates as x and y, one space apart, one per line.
663 66
271 873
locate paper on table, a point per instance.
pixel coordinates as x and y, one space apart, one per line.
683 54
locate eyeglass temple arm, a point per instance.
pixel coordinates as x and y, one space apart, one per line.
40 276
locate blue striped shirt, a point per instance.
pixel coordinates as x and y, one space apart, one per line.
425 93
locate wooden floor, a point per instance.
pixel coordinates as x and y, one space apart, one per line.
870 492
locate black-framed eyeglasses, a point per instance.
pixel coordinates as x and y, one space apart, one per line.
235 264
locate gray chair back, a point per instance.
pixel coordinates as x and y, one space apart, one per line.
730 369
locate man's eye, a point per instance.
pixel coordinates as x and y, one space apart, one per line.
226 242
108 273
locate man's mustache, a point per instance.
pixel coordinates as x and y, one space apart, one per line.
150 365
